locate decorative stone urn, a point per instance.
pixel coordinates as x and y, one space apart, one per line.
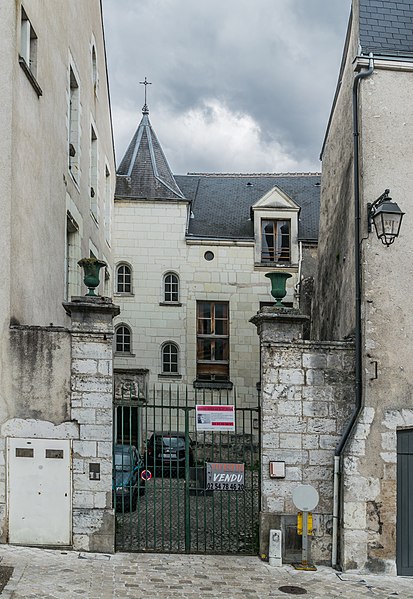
91 269
278 286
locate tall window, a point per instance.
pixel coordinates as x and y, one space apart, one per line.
108 206
123 279
28 44
93 177
171 287
169 358
275 241
73 255
212 341
123 339
94 69
74 113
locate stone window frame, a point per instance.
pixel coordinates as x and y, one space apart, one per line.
171 289
74 129
212 370
94 172
28 54
123 344
124 265
169 350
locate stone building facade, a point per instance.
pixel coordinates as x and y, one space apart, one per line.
368 149
57 179
190 251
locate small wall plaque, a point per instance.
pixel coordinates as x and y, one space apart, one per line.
277 469
94 471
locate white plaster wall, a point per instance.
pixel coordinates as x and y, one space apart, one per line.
40 178
150 236
387 156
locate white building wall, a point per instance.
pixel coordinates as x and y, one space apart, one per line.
150 236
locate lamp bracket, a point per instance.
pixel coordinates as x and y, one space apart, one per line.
373 206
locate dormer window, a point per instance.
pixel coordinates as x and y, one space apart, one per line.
275 241
275 217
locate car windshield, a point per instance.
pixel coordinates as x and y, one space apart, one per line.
174 442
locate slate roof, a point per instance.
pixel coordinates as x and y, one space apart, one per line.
144 172
221 204
386 26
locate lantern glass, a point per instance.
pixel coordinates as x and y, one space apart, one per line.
387 220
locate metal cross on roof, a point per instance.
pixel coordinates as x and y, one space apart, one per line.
145 109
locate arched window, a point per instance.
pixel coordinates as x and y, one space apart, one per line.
123 279
123 339
171 287
170 358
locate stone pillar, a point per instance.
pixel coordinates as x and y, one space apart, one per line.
91 407
307 390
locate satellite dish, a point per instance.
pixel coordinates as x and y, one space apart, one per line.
305 497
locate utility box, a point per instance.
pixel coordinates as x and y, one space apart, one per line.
275 548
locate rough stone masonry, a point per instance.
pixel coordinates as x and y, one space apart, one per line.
307 391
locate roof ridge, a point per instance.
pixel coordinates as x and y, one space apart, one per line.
308 174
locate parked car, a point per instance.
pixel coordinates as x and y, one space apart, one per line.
166 453
128 484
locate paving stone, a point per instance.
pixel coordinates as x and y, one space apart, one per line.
48 574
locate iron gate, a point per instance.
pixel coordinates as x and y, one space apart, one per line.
165 501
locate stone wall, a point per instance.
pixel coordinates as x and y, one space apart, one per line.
307 398
92 409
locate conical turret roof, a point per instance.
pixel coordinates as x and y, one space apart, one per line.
144 172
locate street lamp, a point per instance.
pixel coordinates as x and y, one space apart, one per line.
386 217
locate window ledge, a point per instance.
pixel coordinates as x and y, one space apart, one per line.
124 354
213 384
94 218
170 304
169 376
30 76
123 294
276 265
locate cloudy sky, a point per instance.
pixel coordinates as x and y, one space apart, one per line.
237 85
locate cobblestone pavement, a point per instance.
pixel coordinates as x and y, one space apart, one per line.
52 574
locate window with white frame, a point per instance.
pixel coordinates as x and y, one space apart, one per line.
93 175
108 206
123 339
74 126
170 355
28 44
123 278
94 69
73 255
275 241
171 288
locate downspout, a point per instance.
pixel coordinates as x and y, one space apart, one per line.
358 333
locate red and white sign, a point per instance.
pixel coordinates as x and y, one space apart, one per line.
215 418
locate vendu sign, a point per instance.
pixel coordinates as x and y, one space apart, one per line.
225 477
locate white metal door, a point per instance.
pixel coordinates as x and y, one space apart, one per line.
39 491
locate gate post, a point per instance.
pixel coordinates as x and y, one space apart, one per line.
91 406
275 325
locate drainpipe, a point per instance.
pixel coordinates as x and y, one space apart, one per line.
358 334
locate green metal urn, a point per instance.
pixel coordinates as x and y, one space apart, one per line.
91 270
278 286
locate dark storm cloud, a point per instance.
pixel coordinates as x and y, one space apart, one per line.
257 76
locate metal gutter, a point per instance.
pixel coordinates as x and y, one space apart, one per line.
358 333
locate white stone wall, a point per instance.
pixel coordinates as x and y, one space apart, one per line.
92 409
150 236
